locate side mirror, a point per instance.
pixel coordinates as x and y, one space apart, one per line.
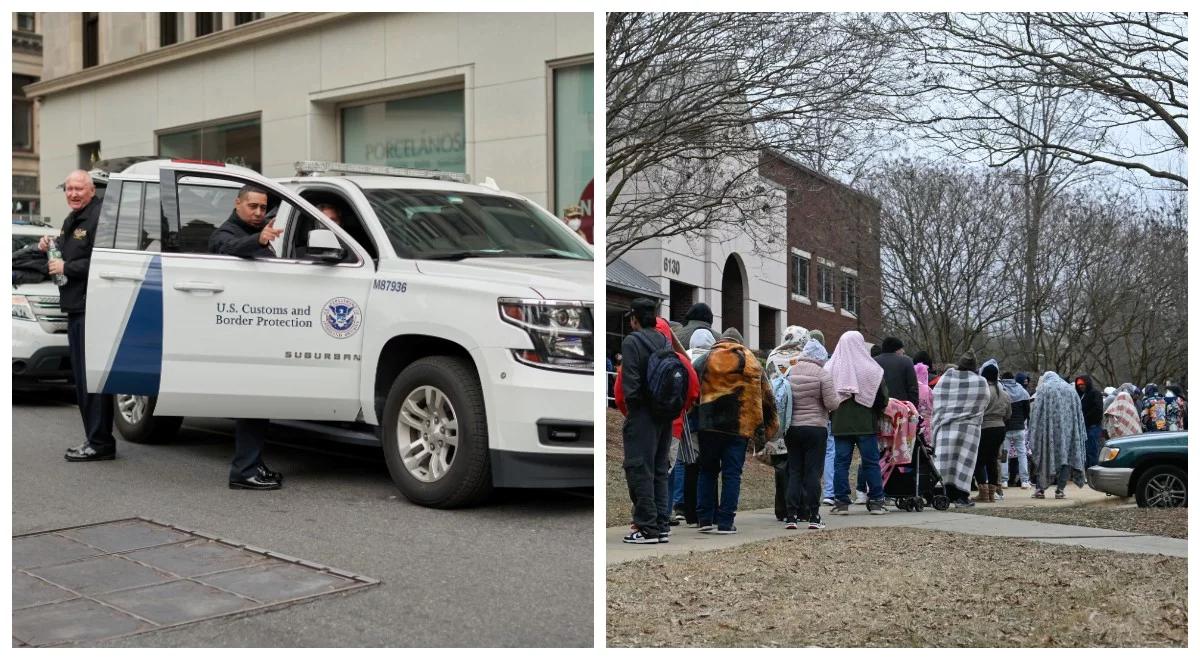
324 245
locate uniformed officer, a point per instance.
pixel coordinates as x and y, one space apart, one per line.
248 234
75 243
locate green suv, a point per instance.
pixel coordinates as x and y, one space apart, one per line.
1152 467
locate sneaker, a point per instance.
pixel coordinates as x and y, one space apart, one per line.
790 523
693 525
841 509
876 507
1059 495
1025 485
674 522
964 504
815 522
889 502
999 494
706 527
638 538
731 530
664 538
1039 494
827 500
862 498
679 514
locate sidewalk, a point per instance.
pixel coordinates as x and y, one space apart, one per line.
760 525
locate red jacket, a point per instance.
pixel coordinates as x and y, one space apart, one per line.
693 394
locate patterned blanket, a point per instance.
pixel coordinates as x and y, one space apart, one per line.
1056 431
959 400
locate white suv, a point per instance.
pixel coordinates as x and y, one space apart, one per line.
39 351
451 323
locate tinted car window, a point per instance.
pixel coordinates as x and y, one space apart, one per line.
201 210
152 220
435 224
129 218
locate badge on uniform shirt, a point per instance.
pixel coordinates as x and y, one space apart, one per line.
80 234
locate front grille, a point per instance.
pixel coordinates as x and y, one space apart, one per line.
48 314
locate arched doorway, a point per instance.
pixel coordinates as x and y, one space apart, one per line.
733 296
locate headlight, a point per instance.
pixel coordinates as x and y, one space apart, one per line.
561 332
21 309
1109 454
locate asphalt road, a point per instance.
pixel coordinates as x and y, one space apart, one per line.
515 572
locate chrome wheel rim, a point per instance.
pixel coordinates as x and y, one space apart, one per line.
427 433
1166 490
132 407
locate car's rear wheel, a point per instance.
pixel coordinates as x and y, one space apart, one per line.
1162 486
133 415
435 435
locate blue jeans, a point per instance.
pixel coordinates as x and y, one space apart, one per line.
827 476
1093 446
725 455
868 451
675 483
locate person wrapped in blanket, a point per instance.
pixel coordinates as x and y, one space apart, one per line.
779 360
1057 436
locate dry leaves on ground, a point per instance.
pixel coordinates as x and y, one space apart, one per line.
898 587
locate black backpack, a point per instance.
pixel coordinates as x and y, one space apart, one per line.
665 382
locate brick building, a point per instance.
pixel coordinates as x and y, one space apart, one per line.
833 251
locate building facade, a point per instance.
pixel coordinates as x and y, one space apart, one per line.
507 96
27 70
832 251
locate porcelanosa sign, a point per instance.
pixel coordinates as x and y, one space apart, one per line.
425 132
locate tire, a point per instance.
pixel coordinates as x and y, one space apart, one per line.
444 471
941 502
1153 484
133 415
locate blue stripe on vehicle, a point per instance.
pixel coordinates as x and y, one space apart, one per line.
137 367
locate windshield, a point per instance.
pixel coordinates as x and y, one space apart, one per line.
438 224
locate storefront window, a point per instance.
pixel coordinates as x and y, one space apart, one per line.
422 132
235 142
573 133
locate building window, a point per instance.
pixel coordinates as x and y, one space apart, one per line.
799 275
88 155
27 22
233 141
22 114
25 196
207 23
242 18
825 284
423 132
683 296
573 139
170 26
91 39
850 293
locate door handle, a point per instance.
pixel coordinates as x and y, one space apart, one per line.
121 276
209 287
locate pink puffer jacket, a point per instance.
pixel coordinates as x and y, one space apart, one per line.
813 396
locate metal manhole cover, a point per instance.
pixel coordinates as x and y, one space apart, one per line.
97 582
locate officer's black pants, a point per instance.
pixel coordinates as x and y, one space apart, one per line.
95 409
249 436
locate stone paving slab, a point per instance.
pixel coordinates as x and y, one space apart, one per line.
94 583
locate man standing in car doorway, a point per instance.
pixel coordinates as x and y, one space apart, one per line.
75 245
248 234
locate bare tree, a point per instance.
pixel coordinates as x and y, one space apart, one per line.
693 99
1129 68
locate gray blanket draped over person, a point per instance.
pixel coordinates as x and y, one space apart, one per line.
1056 432
958 404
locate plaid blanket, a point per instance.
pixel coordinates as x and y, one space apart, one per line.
958 404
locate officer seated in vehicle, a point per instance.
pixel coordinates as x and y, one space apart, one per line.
248 233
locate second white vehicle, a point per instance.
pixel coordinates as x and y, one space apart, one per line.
451 323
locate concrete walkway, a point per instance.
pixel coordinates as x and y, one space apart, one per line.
760 525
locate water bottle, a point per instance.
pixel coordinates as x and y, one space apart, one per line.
54 253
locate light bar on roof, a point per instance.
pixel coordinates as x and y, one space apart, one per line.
319 167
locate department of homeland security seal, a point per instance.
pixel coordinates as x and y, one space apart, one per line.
341 318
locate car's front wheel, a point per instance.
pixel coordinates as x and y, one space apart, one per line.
1162 486
435 435
133 415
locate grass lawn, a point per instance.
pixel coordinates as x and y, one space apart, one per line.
1157 522
758 480
923 588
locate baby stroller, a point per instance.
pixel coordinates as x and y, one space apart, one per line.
917 484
